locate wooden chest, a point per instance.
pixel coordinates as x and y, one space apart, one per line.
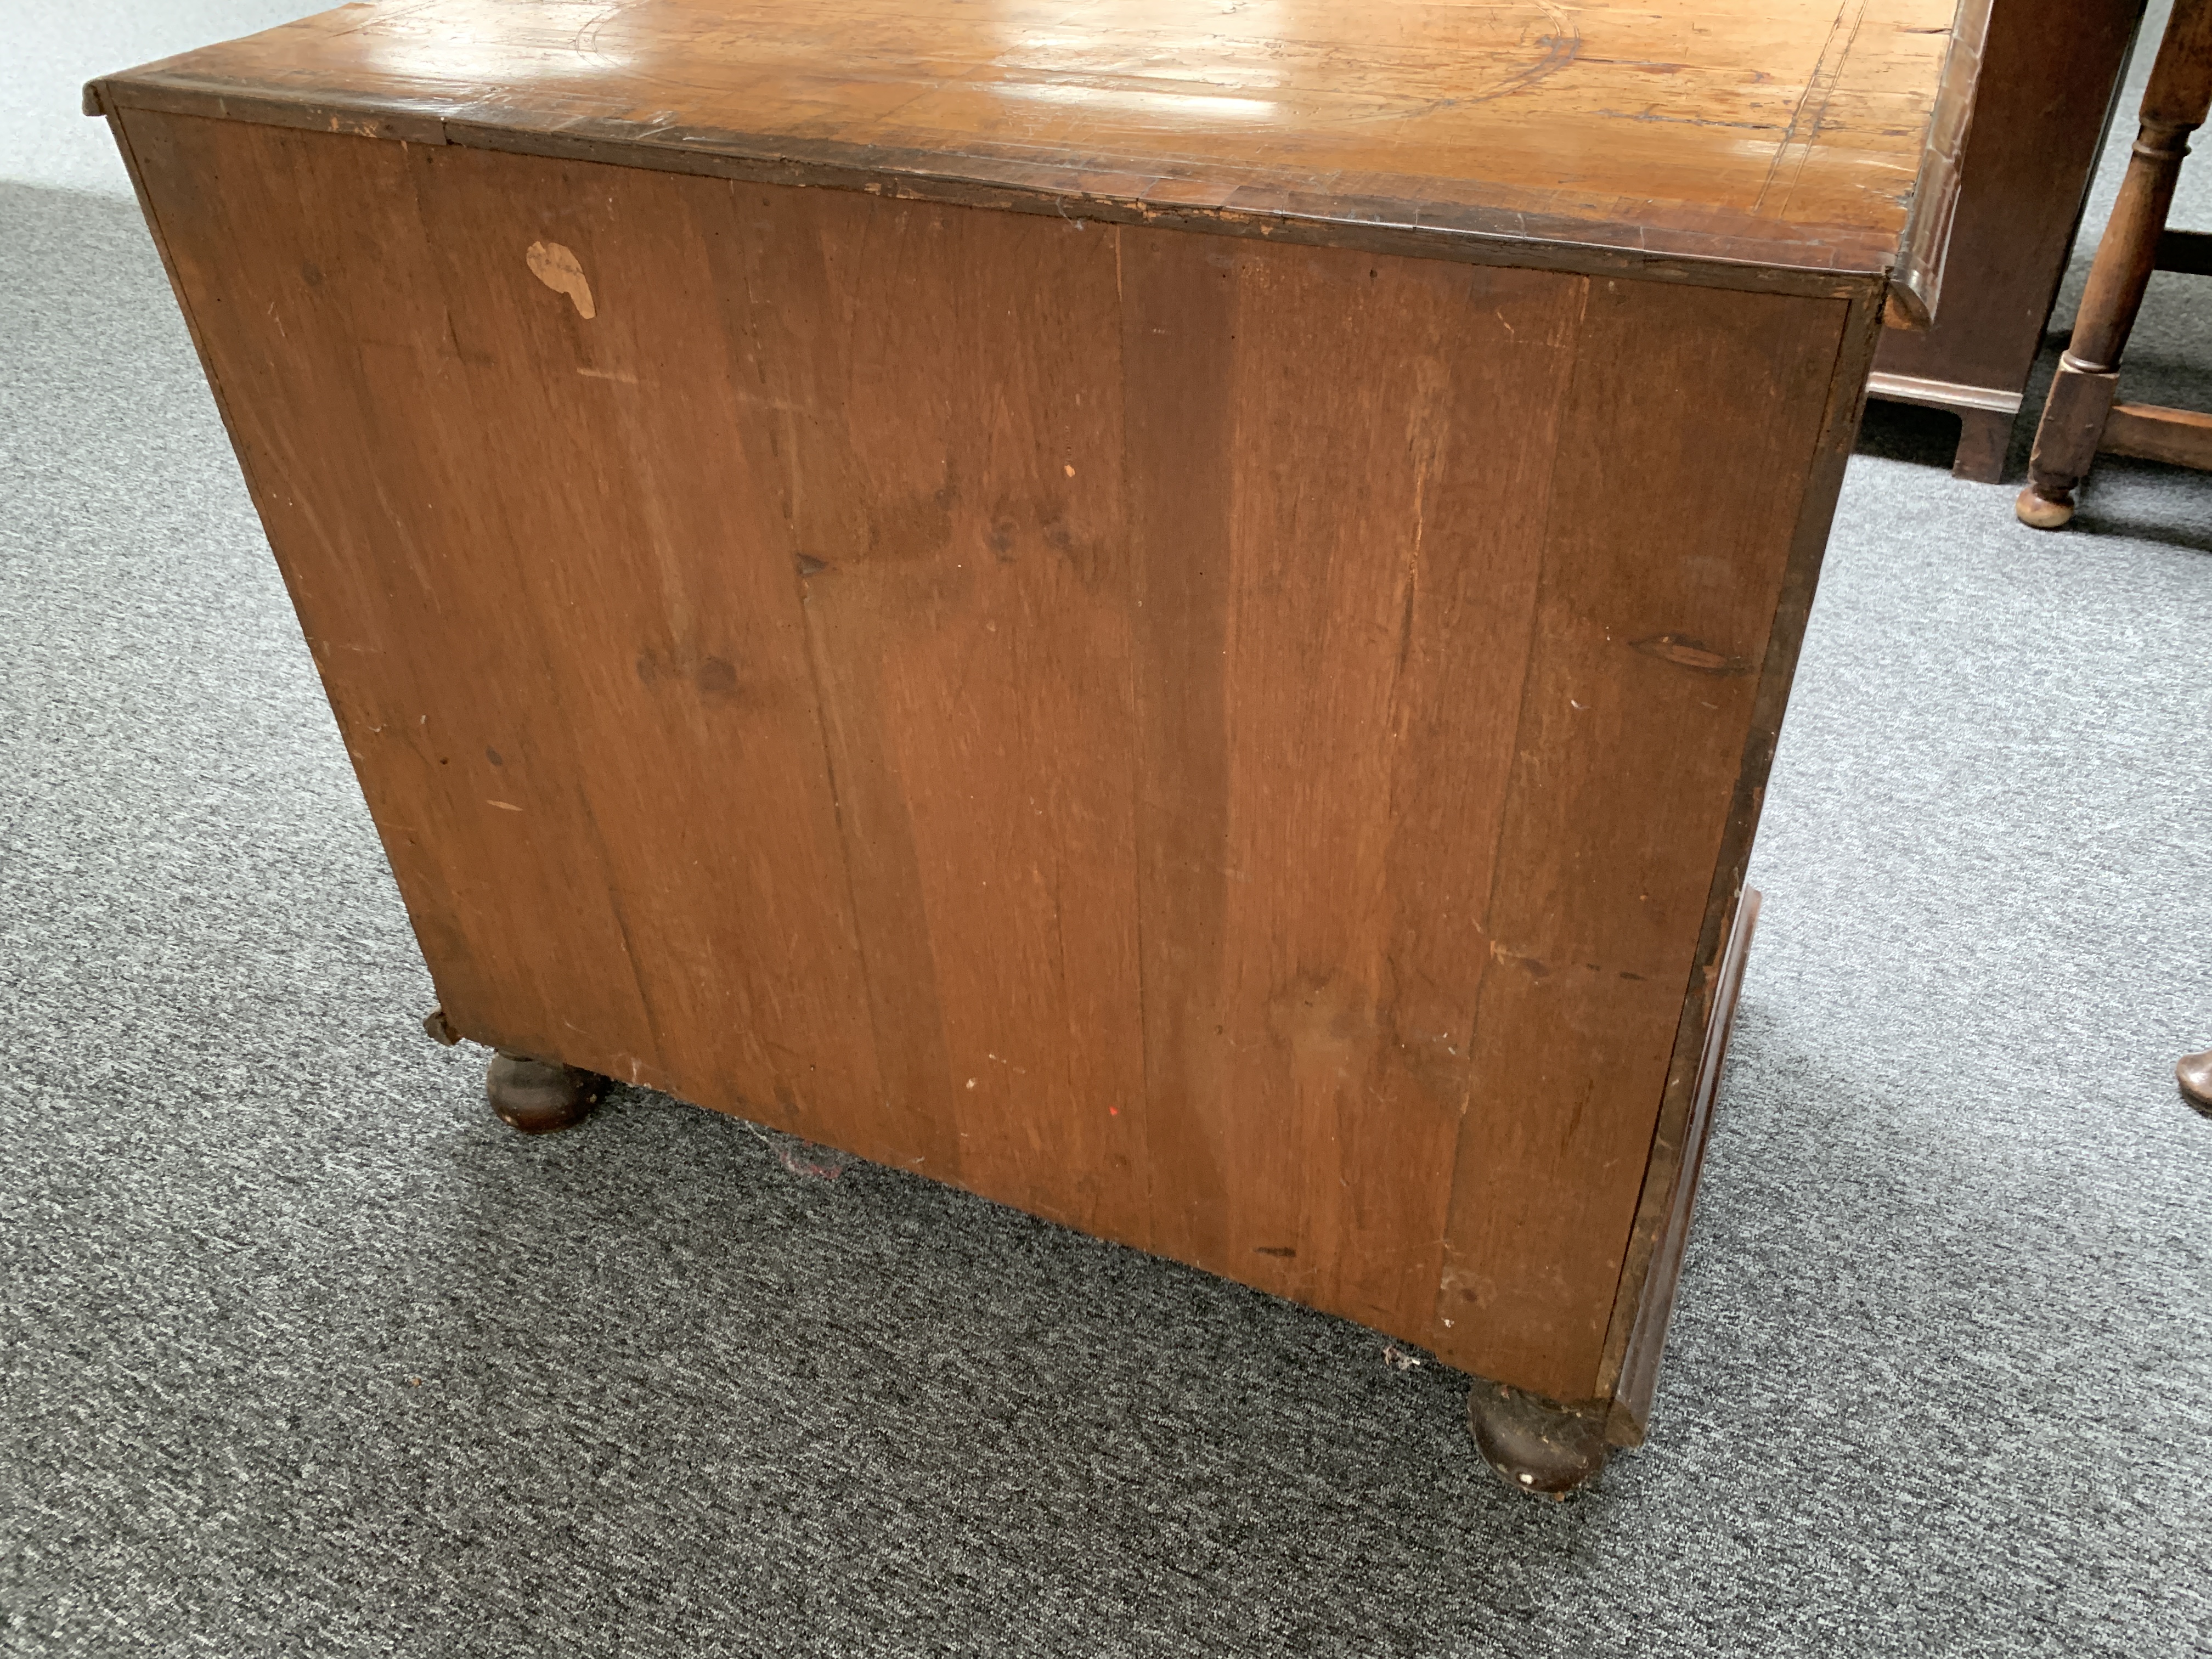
1174 614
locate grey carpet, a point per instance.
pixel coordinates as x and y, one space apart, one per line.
300 1353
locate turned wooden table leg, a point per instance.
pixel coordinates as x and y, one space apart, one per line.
1534 1445
2089 377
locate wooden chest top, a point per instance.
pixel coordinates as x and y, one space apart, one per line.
1783 134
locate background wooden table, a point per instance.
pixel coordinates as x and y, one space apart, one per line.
2042 102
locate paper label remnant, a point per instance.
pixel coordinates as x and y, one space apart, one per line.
555 267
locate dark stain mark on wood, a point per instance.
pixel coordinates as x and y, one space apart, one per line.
1559 50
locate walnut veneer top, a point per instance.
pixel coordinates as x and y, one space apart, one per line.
1785 133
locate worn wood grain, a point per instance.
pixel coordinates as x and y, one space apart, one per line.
574 685
950 414
1648 632
1786 136
1333 623
1673 1152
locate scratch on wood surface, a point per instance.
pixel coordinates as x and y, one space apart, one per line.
1500 952
1804 130
1559 48
1688 653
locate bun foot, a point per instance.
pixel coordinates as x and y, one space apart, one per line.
1534 1445
2194 1073
2044 512
539 1097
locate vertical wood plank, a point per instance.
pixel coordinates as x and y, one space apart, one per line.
951 427
1333 621
1684 442
648 529
573 682
244 238
1672 1160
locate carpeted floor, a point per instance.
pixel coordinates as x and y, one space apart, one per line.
302 1353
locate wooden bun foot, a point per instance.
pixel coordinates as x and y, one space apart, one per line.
2194 1073
1534 1445
539 1097
2044 512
